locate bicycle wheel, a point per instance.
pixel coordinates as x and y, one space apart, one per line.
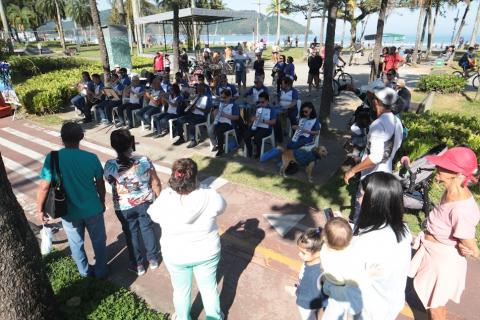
344 78
476 81
335 87
458 74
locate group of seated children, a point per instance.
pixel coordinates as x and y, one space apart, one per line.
161 101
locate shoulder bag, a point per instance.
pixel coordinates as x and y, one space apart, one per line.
55 204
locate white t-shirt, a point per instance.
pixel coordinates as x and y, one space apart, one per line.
380 139
339 266
189 224
155 102
386 262
135 94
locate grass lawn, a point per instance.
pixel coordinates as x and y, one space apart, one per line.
462 104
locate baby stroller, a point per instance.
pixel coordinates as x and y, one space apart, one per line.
416 178
358 124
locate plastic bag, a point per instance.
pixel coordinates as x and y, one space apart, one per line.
46 235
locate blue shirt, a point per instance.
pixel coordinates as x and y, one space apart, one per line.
289 70
125 80
228 86
118 87
166 86
286 97
309 296
304 157
203 105
80 169
255 92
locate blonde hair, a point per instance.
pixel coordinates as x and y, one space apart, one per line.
337 233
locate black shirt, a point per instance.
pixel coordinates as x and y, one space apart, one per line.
314 64
258 66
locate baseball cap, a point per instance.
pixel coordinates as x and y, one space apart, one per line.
387 96
458 159
373 86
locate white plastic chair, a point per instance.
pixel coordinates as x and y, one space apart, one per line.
227 135
198 127
170 127
268 139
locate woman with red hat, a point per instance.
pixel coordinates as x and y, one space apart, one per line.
439 267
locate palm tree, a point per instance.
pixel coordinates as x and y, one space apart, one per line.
80 12
421 18
55 10
307 27
327 93
462 23
98 31
5 28
378 40
278 7
473 39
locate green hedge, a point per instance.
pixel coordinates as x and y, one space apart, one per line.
442 83
28 66
95 299
50 92
430 129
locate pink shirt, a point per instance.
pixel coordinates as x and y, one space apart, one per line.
454 220
159 63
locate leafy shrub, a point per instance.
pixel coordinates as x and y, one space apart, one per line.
29 66
50 92
140 63
430 129
443 83
98 299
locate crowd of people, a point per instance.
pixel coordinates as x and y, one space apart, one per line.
355 267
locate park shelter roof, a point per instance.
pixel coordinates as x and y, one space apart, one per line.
389 36
197 15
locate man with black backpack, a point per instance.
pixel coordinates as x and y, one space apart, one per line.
79 175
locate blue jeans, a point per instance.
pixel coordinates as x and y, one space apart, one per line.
161 122
147 112
75 231
105 109
78 101
302 140
206 278
136 224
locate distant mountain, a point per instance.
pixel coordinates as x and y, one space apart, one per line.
246 26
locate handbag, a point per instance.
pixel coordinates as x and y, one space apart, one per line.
55 204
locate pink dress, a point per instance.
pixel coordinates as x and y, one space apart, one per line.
438 269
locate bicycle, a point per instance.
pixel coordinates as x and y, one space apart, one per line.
475 73
342 77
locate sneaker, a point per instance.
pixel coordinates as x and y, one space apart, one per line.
153 264
219 153
180 141
163 134
139 270
192 144
215 148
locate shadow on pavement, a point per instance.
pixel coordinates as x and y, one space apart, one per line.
238 248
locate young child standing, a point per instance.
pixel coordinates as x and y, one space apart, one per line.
310 298
339 269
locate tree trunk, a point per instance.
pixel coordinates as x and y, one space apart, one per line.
5 27
60 27
462 24
101 39
176 39
473 39
307 28
278 24
16 35
322 25
25 292
121 12
378 40
327 92
428 14
431 29
353 39
419 34
364 27
35 34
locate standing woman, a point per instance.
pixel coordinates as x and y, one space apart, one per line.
190 241
135 184
381 250
439 267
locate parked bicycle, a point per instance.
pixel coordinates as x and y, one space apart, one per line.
342 77
475 73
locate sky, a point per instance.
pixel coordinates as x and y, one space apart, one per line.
403 21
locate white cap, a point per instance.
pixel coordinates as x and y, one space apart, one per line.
373 86
117 66
387 96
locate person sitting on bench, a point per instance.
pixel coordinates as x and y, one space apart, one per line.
174 110
225 116
136 95
106 106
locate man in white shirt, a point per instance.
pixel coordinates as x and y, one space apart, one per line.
384 139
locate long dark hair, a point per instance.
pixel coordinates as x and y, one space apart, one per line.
121 141
382 205
183 179
308 104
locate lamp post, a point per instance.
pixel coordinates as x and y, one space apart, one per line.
75 35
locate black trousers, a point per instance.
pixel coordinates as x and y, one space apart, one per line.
219 130
256 135
192 120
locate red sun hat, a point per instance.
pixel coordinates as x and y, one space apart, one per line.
458 159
